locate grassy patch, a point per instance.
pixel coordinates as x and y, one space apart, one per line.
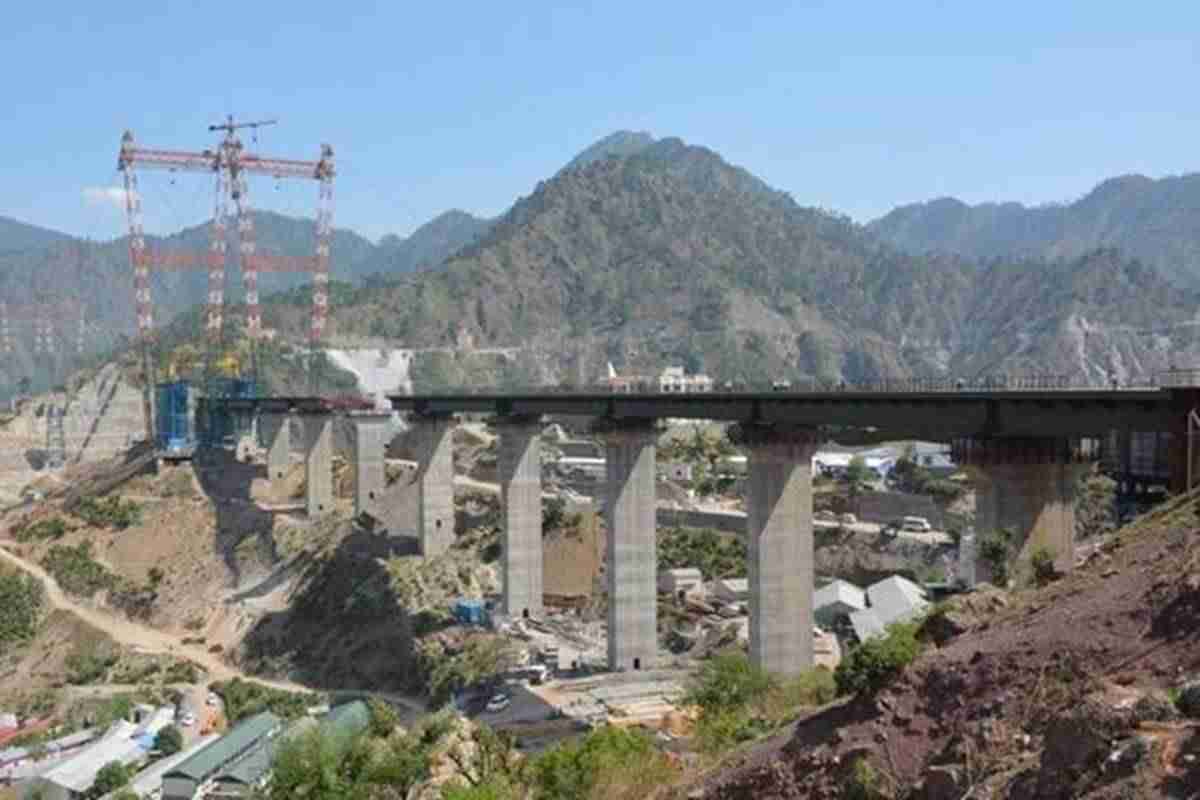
22 603
244 699
48 529
109 512
76 571
875 663
716 556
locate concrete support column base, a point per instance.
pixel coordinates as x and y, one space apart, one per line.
520 468
1029 493
370 439
435 479
632 568
780 545
318 464
277 436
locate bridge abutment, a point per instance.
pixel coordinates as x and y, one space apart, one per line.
520 468
632 568
1027 488
435 483
318 463
779 537
370 440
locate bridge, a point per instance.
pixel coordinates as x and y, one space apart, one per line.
1025 447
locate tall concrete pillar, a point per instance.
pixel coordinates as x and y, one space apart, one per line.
779 536
318 463
520 467
370 440
435 479
632 562
1026 486
277 434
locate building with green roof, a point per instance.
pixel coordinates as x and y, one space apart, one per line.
239 778
184 781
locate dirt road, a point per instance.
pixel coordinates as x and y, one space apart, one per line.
136 636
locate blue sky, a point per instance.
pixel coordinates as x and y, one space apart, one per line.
856 107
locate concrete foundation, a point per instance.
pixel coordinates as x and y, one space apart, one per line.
632 561
780 547
1027 487
370 439
277 435
318 464
1036 503
435 484
520 466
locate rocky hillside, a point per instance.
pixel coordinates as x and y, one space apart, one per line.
1077 690
1156 221
671 255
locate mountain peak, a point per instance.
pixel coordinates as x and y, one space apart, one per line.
617 144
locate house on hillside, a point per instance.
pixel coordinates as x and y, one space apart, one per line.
896 599
835 601
253 769
184 781
730 590
682 581
148 782
124 742
672 380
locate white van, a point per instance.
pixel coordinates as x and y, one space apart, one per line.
916 524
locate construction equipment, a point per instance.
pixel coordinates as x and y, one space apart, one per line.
230 165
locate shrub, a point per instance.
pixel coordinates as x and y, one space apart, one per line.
51 528
22 601
1042 562
76 571
109 512
727 681
865 782
716 556
244 698
90 662
875 663
608 763
111 777
994 551
169 740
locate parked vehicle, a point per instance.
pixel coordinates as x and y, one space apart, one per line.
917 524
499 702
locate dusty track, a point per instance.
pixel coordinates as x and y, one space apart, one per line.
136 636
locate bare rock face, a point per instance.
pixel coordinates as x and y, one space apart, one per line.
942 782
1075 747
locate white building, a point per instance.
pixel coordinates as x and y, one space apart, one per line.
731 590
837 599
672 380
685 579
124 742
896 599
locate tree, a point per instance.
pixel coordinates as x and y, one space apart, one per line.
111 776
169 740
858 474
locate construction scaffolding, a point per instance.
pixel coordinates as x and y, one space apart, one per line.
231 165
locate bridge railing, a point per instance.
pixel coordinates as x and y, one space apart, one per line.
1179 377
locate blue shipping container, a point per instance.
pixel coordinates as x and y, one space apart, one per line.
175 432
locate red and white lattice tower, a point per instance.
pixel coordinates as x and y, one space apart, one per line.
231 165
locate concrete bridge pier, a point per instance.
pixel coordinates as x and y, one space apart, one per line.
277 435
1027 486
435 482
370 440
318 463
520 468
779 536
632 565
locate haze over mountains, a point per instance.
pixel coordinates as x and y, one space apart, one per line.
644 251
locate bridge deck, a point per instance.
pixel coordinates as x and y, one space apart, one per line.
936 415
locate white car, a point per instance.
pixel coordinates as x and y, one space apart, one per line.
498 702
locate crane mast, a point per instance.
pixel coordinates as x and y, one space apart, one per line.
231 165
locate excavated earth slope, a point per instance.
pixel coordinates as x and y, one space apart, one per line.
1060 692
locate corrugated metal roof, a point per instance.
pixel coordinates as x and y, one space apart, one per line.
79 772
349 717
866 623
896 599
150 780
229 747
840 591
